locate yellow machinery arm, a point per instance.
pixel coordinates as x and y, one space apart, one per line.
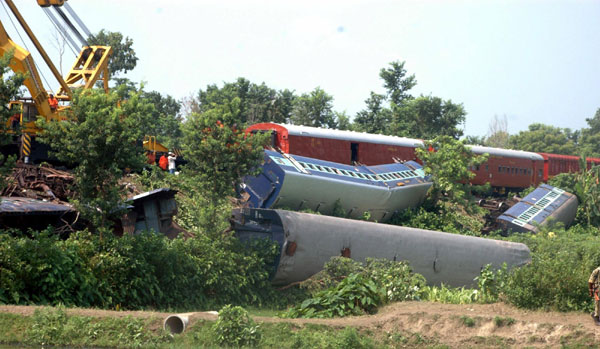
22 62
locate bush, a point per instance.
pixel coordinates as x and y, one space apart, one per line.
235 328
558 273
361 290
145 270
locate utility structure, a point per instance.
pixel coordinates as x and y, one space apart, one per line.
90 66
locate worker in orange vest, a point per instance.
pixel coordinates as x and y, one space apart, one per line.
163 162
53 102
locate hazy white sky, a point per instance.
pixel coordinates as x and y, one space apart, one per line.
533 61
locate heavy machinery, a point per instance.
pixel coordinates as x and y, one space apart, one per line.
90 66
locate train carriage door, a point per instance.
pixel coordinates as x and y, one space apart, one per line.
353 153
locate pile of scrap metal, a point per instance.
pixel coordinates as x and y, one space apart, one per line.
545 205
39 182
307 241
298 182
36 197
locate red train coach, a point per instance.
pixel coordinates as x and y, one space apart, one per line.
556 163
344 147
505 168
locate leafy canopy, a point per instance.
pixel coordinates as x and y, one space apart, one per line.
123 58
218 151
545 139
100 141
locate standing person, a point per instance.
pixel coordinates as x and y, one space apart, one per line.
594 288
53 102
163 162
172 159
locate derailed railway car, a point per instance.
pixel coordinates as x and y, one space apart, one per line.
545 204
298 182
344 147
506 169
307 241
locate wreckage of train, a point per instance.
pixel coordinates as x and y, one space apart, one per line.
505 168
297 182
307 241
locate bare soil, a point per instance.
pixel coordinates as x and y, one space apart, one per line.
444 323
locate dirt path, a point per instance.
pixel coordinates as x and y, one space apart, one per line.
444 322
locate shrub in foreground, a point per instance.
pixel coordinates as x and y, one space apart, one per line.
363 290
557 276
133 272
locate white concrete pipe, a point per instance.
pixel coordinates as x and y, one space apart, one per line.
176 324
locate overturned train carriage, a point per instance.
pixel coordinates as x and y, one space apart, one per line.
298 182
543 205
307 241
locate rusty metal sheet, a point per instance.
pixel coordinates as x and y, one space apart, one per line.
16 206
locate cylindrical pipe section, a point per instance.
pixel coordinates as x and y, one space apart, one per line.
176 324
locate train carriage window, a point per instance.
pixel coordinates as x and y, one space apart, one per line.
540 173
500 169
477 168
352 174
311 166
344 172
327 169
487 169
319 168
360 175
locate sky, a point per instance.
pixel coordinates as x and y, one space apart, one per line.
531 61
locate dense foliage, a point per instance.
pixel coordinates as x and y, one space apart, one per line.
557 276
235 328
99 139
354 289
218 151
133 272
10 83
123 58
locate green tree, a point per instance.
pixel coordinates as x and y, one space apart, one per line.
167 121
343 121
376 117
218 151
314 109
590 137
448 164
428 117
10 84
100 140
545 139
258 103
474 140
123 58
397 83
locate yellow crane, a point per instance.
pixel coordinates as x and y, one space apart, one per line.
90 66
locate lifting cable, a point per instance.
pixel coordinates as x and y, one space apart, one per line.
63 32
71 26
86 31
25 44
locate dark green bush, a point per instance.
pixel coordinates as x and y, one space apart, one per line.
235 328
146 270
361 290
557 276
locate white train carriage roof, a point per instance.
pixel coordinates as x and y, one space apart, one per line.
307 131
297 130
479 149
